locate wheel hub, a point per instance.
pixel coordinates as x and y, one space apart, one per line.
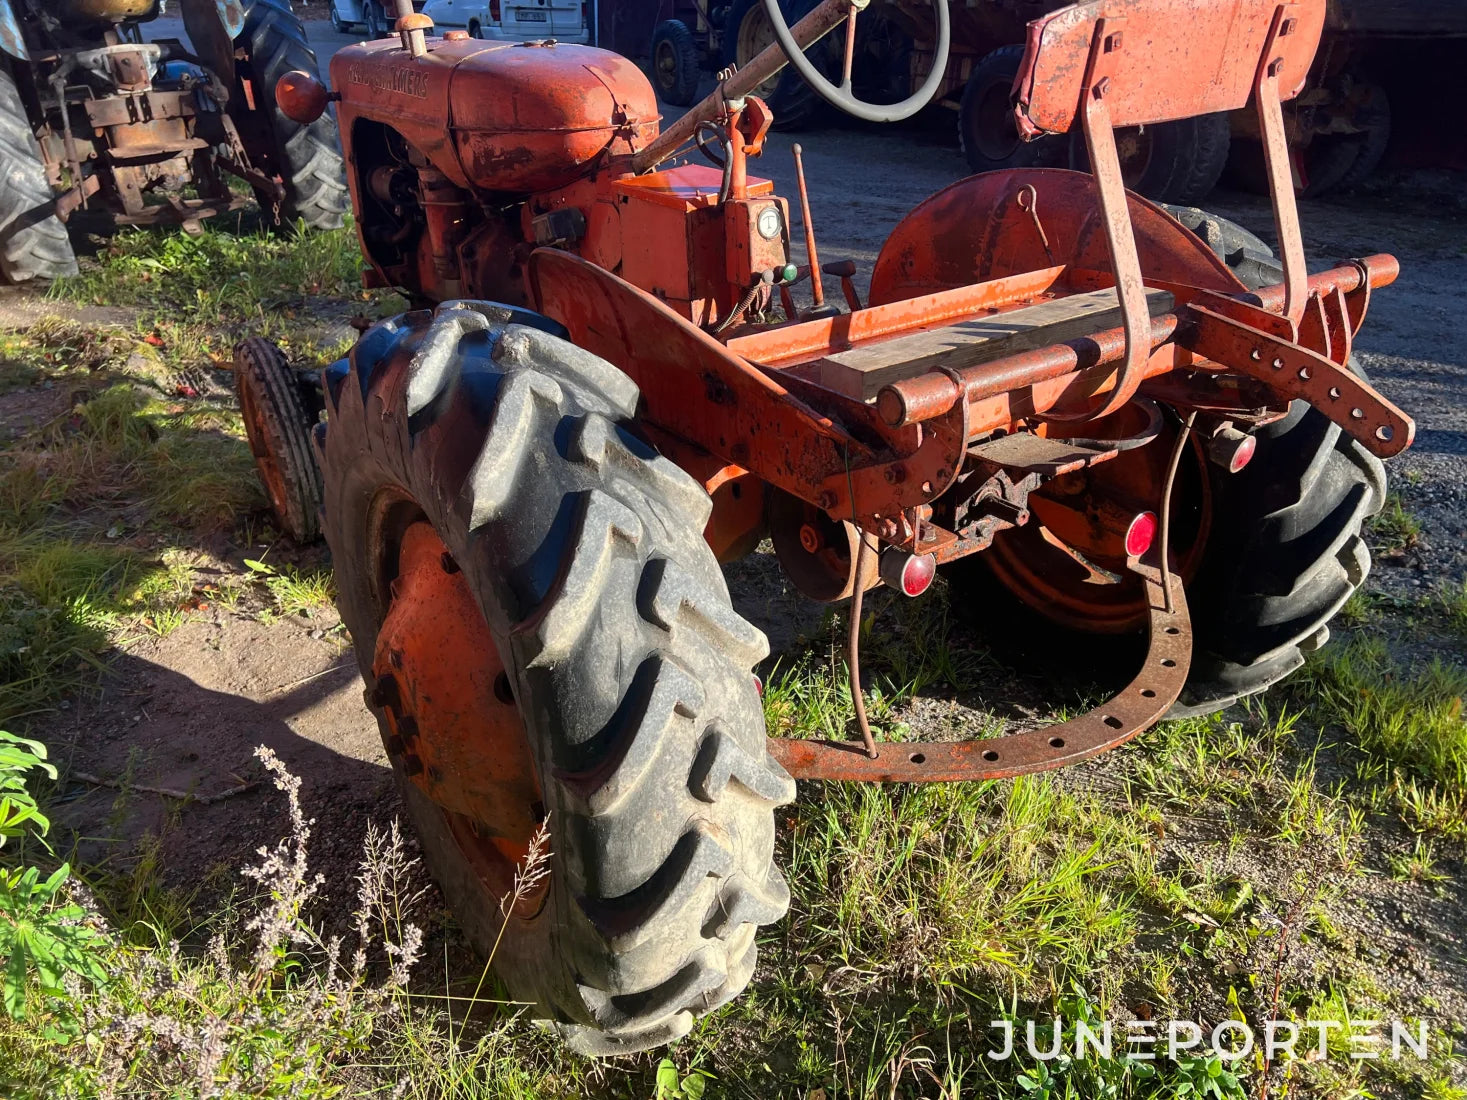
449 703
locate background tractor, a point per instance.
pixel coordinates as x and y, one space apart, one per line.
93 118
1109 418
1371 55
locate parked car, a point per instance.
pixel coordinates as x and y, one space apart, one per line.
373 16
511 20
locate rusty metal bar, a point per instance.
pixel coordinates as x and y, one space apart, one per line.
1142 702
913 400
823 18
1276 160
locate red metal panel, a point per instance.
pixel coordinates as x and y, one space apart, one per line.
976 230
1177 58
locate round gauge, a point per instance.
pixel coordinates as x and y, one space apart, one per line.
769 223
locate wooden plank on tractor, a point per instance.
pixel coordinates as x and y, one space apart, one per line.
862 371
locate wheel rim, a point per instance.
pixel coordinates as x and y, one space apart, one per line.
1088 589
454 726
665 65
264 446
755 34
1134 148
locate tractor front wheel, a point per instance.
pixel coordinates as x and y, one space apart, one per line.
277 424
556 669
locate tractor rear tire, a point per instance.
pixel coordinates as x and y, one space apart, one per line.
33 242
1287 548
1284 552
583 549
675 71
795 104
306 157
278 428
987 133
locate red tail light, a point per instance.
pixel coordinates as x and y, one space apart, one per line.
494 11
1141 533
909 574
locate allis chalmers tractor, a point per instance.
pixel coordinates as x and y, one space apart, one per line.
92 118
1127 421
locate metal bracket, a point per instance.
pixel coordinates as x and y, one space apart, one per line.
1276 159
1105 163
1297 372
1142 702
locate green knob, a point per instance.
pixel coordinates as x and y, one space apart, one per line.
789 273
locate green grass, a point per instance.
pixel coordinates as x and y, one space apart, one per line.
1393 529
221 275
1409 718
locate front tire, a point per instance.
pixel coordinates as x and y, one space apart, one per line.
675 71
305 158
278 428
584 553
33 242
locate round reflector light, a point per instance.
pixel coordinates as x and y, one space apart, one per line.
1140 534
917 574
1243 454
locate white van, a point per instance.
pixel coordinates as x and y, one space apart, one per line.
513 20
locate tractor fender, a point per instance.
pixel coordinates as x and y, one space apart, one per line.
691 384
697 389
1002 223
11 39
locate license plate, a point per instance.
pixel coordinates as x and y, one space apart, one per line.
531 16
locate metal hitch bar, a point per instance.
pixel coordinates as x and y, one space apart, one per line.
1142 702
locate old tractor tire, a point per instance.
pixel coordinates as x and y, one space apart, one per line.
675 70
33 242
278 427
630 673
795 104
1283 552
1287 548
305 157
987 134
1179 161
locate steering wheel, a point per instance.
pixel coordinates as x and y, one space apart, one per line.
841 96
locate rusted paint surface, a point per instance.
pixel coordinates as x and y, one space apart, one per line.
1177 59
456 731
960 236
1140 704
1349 401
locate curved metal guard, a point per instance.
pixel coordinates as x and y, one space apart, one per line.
1143 701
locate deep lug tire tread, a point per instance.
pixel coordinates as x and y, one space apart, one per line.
306 157
1287 549
585 550
41 249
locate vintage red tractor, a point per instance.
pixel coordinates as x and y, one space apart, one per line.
1130 421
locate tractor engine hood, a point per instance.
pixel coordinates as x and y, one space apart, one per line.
501 117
